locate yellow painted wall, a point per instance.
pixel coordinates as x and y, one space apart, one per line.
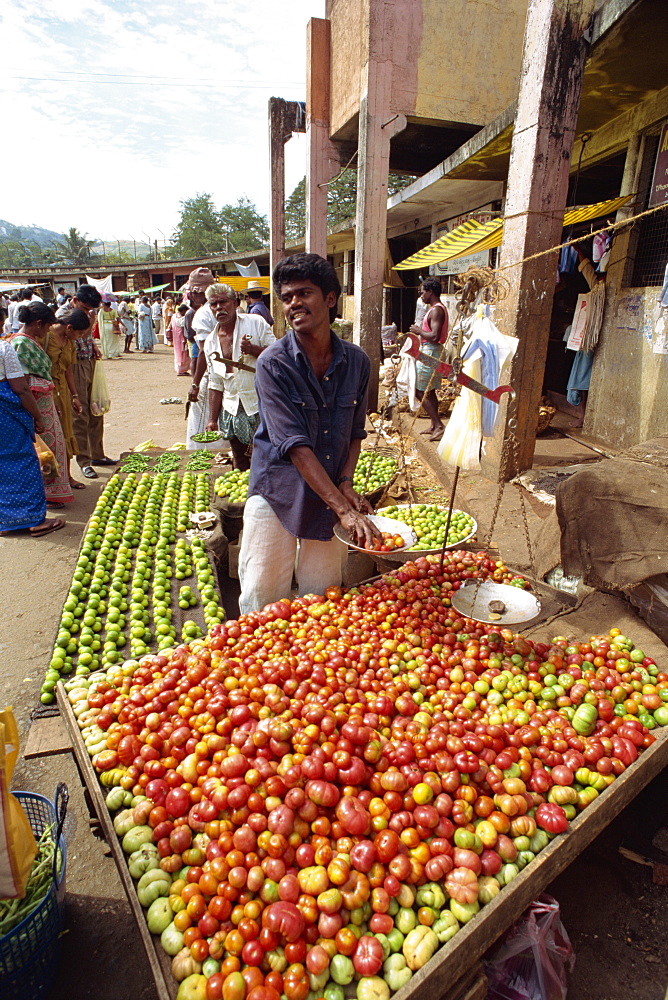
349 52
470 57
453 60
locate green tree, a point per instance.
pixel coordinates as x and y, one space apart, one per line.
198 231
341 201
243 226
75 246
295 214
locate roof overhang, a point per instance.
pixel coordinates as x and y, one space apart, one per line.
626 66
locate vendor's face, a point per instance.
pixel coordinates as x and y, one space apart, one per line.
223 308
304 306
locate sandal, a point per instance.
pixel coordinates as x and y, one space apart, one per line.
47 527
77 486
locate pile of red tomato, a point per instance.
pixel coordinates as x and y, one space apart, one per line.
337 784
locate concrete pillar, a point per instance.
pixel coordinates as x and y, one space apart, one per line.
377 126
322 161
549 98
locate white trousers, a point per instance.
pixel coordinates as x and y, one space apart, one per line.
267 560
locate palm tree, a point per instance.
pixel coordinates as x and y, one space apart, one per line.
75 245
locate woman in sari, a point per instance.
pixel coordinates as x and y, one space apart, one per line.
108 326
167 317
147 338
22 497
177 333
30 345
62 352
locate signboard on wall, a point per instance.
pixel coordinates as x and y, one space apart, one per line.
460 264
658 194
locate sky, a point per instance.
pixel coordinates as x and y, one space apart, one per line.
120 109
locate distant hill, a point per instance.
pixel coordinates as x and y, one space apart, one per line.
9 232
35 245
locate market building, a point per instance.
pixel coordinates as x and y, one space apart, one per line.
456 134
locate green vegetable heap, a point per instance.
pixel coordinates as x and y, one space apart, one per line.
233 485
40 880
206 437
428 521
120 598
373 471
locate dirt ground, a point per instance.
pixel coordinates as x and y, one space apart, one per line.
611 909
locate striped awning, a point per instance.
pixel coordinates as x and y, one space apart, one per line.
472 237
451 244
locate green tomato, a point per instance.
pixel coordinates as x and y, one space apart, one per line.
159 915
341 970
661 715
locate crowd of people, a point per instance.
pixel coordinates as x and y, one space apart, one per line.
293 410
47 365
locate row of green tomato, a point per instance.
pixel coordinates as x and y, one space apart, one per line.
372 472
131 538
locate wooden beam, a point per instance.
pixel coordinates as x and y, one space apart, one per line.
553 61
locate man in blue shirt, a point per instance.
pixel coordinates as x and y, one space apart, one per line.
255 302
312 393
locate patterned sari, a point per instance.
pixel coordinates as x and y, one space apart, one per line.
36 365
22 499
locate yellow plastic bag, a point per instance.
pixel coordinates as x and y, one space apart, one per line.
47 460
17 843
460 444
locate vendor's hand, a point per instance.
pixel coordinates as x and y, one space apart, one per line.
415 329
212 425
360 503
39 426
248 347
360 528
76 405
193 395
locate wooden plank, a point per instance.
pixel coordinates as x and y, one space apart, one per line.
46 737
92 784
454 958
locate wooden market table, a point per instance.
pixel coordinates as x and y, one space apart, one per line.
454 971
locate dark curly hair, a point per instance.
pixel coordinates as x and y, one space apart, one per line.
432 285
309 267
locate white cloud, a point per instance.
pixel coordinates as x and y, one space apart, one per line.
121 108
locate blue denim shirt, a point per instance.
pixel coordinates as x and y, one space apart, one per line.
296 410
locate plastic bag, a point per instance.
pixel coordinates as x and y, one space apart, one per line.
460 444
406 378
533 958
47 460
100 400
17 843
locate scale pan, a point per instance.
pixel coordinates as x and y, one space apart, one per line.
520 605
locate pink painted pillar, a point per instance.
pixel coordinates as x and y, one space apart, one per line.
549 98
377 126
321 156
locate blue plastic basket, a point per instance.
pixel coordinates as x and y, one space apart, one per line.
29 952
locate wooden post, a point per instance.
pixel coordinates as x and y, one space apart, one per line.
285 117
549 97
321 156
377 126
